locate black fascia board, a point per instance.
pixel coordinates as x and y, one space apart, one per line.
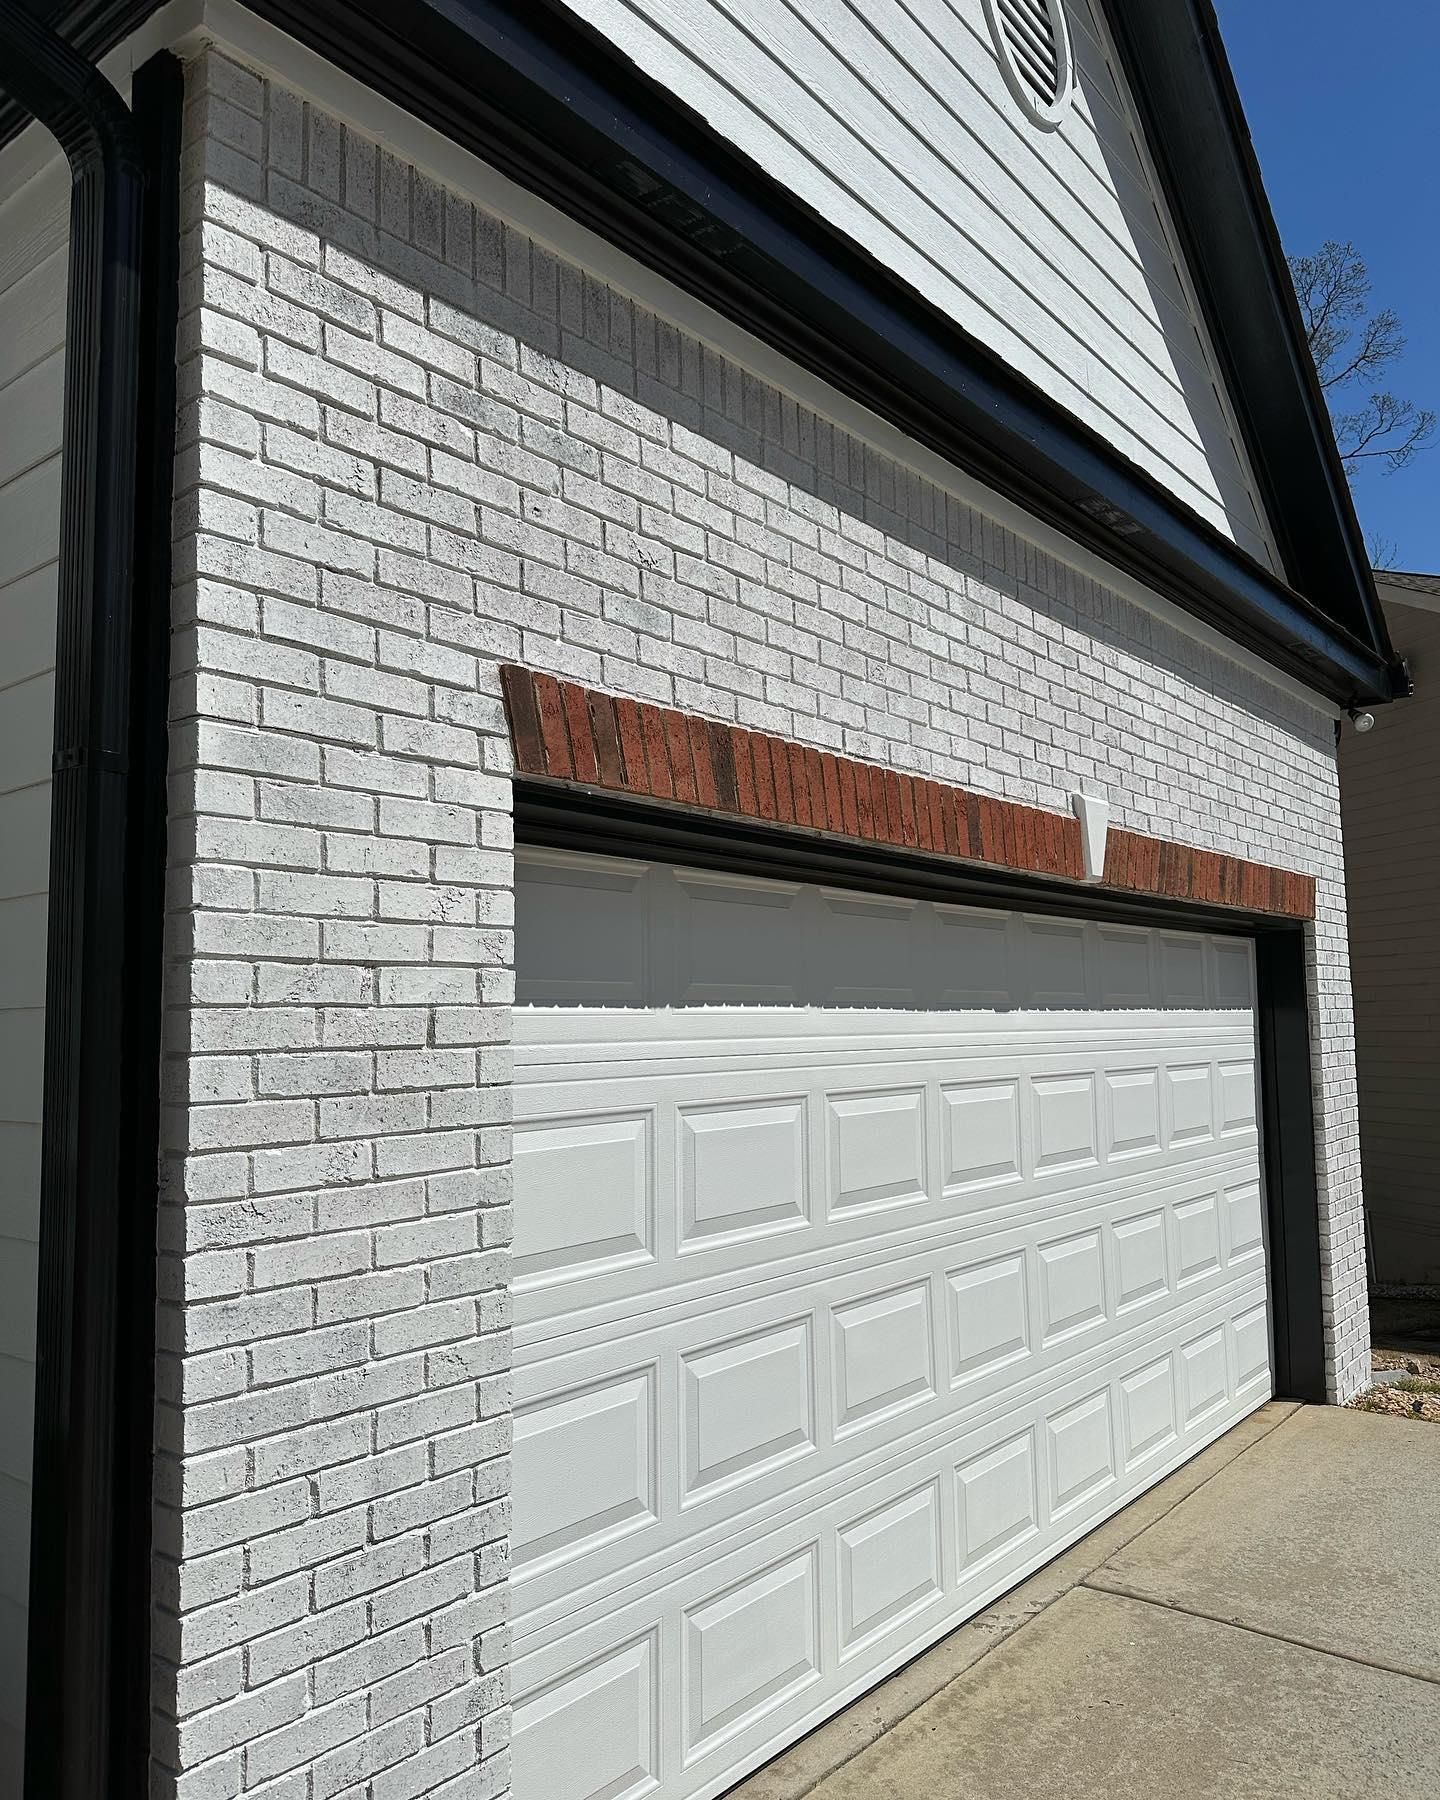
542 97
1174 59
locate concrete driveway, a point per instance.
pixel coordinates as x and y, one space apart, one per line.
1265 1623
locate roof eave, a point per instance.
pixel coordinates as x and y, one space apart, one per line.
1175 61
536 93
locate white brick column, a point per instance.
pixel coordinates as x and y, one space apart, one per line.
332 1487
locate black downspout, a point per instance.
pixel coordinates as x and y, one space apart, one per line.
86 1205
157 104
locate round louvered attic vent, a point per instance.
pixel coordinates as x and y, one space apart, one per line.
1033 47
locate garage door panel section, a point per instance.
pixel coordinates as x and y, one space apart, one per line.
709 1146
868 1252
741 1170
606 1427
905 1549
594 1734
774 1399
608 1156
929 1319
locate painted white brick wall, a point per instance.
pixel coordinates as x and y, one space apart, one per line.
413 444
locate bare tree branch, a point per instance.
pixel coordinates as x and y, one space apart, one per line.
1379 343
1384 428
1383 552
1331 287
1351 345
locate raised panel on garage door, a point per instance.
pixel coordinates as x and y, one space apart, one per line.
836 1316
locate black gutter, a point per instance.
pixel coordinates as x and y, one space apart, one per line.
1180 78
540 95
90 1499
89 27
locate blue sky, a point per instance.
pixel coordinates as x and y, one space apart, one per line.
1341 99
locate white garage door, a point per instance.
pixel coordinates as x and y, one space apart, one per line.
868 1252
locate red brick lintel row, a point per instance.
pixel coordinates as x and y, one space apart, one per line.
566 732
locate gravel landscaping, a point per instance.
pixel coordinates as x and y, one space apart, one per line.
1405 1351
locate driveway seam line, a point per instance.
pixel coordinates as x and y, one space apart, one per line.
1279 1637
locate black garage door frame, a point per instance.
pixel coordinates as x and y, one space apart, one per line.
572 818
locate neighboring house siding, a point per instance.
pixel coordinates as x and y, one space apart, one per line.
1390 788
413 447
894 122
34 231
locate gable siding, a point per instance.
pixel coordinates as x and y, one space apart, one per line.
893 121
1391 809
34 239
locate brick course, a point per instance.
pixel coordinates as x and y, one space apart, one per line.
415 445
566 733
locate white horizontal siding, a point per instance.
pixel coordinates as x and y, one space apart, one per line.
893 121
33 265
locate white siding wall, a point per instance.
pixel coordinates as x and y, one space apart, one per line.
34 234
892 119
414 443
